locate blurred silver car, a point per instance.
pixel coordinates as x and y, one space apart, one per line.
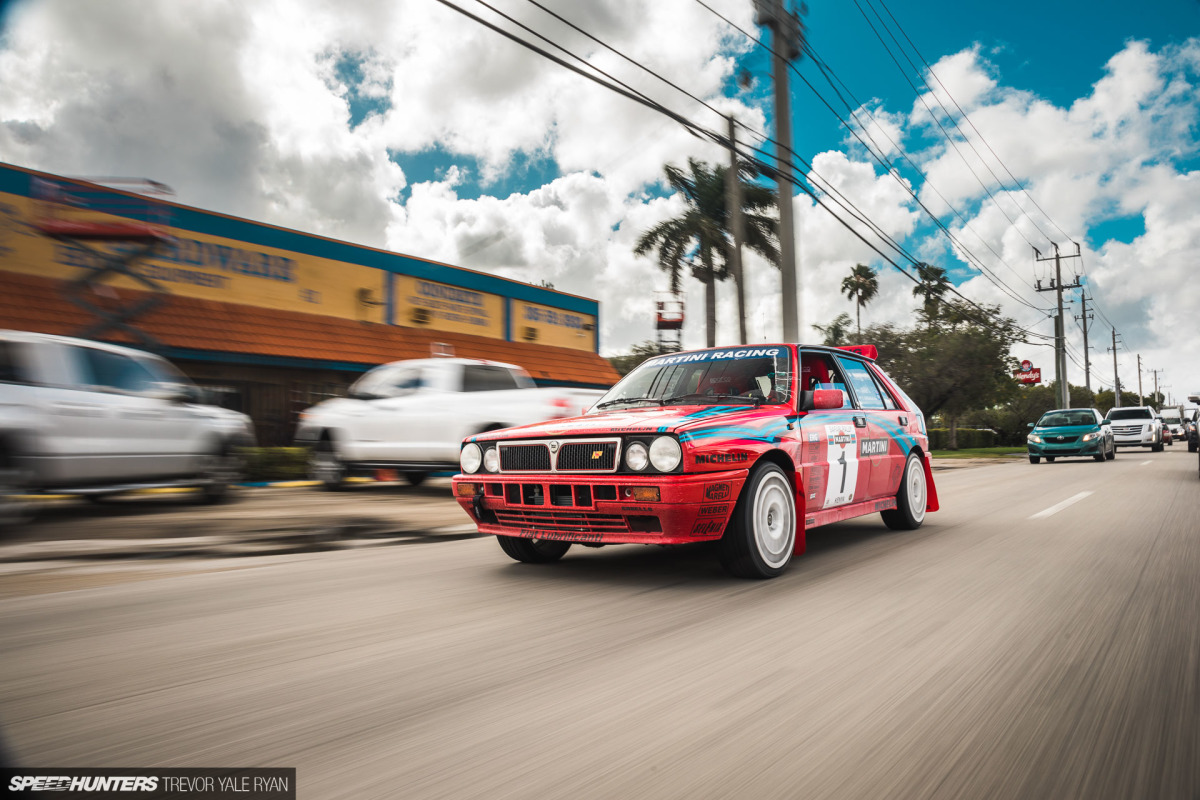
89 418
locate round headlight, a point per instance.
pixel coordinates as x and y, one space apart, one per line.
635 456
491 459
470 457
665 453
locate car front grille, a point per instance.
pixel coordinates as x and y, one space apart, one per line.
589 456
569 455
1059 439
524 458
575 521
1126 430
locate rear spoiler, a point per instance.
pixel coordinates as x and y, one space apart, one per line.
864 350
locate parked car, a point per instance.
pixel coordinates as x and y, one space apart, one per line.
1071 432
94 419
749 447
1136 426
411 416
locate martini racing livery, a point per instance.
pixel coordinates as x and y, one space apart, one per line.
746 446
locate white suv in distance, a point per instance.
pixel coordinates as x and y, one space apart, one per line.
1136 426
94 419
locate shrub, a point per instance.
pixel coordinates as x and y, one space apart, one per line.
276 463
968 438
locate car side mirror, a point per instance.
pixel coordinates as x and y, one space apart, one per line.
1106 422
1030 425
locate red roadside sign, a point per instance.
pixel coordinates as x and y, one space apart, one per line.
1031 375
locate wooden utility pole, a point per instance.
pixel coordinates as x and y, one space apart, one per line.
1060 341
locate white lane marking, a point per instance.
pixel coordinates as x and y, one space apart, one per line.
1070 501
1144 463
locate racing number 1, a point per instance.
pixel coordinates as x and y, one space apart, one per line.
842 461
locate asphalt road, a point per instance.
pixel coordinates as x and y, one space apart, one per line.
1005 649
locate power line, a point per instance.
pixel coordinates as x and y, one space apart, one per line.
942 128
966 253
967 118
639 97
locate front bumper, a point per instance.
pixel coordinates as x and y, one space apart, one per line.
1075 448
600 509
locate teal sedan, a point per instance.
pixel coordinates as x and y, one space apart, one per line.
1071 432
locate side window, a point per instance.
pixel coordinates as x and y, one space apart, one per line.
10 370
485 379
820 371
406 380
889 402
859 375
110 370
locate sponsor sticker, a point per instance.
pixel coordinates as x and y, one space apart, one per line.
713 511
873 447
718 491
841 448
708 527
715 355
561 536
722 458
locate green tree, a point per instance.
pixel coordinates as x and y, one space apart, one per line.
624 364
932 285
861 286
959 363
835 332
700 240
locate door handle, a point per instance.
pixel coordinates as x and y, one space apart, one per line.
860 422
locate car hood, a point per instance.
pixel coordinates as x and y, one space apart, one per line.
651 419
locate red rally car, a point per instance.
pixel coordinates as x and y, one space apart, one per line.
750 446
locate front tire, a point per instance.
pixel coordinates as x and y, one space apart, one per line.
1035 459
911 498
415 478
761 536
533 551
325 467
219 471
1049 459
1112 453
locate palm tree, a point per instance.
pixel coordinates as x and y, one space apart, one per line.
835 331
932 285
860 286
700 239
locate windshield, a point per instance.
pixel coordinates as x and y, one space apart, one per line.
386 381
1171 415
1057 419
1130 413
749 375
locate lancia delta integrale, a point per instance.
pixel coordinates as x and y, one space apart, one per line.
746 446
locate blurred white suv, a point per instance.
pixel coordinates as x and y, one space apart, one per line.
1136 426
89 418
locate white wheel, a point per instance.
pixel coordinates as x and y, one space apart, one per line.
761 536
911 498
774 520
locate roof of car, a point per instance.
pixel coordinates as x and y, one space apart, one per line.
836 350
29 336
